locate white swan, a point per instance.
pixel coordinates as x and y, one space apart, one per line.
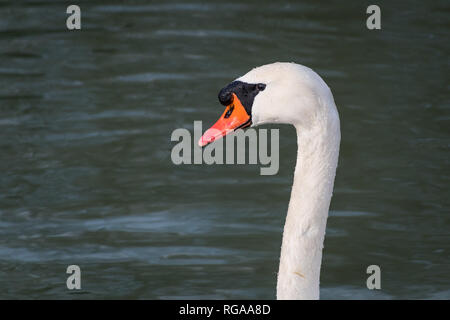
292 94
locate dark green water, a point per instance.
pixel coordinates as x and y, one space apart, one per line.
85 170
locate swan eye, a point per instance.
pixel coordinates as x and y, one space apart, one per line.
245 92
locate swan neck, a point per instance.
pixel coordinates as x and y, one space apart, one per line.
304 230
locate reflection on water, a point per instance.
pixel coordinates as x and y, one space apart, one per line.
86 176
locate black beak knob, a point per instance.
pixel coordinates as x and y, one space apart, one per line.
225 96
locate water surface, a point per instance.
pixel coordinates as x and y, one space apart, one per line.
85 170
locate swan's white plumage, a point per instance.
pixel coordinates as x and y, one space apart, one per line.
296 95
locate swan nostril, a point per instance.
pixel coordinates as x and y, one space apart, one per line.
229 112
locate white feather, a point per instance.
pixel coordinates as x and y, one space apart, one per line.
296 95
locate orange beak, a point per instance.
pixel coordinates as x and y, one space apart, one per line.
234 117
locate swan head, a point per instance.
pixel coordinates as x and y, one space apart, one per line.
285 93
